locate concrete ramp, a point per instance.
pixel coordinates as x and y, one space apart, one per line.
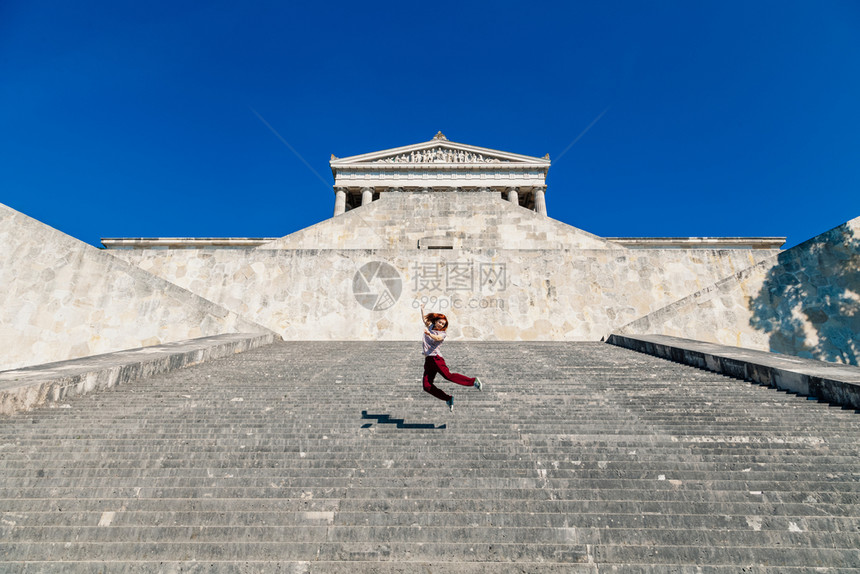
804 301
309 457
62 299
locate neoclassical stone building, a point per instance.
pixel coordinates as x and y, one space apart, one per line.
439 166
461 228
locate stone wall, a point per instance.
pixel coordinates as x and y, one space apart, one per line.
62 299
503 273
489 294
500 271
804 302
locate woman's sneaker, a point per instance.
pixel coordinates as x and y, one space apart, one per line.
450 403
478 384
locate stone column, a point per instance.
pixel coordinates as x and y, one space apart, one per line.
366 195
513 196
339 201
540 200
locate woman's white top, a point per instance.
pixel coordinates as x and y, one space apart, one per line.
431 347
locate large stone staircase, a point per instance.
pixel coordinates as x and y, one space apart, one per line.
328 457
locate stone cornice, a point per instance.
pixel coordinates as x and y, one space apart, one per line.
441 166
182 242
699 242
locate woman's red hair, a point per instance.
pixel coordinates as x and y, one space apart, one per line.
433 317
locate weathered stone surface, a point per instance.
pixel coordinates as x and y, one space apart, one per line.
489 294
803 302
328 457
62 299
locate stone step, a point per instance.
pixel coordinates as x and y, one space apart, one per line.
302 567
651 502
265 455
292 551
778 556
406 438
488 401
428 422
16 509
310 531
474 470
416 481
468 404
484 403
197 465
406 553
500 518
402 439
548 424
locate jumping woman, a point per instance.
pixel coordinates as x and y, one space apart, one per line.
435 326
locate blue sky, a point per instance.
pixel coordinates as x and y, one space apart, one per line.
718 118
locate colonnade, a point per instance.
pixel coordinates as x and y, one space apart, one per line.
512 193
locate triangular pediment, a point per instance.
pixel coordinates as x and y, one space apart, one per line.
439 151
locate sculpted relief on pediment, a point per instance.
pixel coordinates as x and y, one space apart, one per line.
440 155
